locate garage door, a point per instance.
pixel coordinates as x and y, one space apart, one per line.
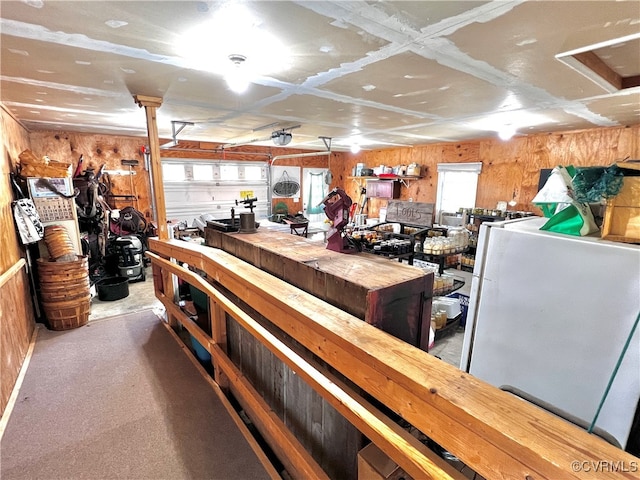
195 187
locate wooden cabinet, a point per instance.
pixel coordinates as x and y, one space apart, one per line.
389 295
383 189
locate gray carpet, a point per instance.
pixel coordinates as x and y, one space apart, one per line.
118 399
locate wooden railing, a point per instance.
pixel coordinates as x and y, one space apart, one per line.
492 432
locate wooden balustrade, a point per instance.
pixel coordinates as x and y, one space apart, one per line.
492 432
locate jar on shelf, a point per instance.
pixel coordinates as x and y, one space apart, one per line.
427 246
413 170
437 246
440 318
447 280
438 285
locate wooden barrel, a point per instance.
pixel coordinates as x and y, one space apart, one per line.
64 292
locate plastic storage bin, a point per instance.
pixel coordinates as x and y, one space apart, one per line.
202 353
464 306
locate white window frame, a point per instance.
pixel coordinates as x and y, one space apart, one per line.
452 168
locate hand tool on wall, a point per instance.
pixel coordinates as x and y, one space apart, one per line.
130 164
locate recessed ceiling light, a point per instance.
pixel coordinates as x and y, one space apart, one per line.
24 53
127 70
82 62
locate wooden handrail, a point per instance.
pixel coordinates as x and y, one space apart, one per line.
415 458
495 434
11 271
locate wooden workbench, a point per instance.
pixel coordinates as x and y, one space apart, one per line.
389 295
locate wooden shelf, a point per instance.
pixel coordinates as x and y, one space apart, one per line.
391 178
457 285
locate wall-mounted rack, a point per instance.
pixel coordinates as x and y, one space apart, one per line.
403 179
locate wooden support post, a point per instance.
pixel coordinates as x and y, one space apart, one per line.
163 286
151 104
218 319
167 282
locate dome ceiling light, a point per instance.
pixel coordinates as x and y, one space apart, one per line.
237 77
236 44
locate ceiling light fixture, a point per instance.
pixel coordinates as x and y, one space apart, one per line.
507 132
237 76
355 148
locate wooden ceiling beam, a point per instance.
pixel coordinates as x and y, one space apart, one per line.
594 63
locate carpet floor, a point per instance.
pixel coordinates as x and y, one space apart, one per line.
119 399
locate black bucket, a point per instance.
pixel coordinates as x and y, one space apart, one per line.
113 288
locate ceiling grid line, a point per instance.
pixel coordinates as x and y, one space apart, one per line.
380 73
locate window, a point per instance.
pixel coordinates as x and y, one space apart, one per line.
314 190
229 172
457 186
202 172
254 173
173 172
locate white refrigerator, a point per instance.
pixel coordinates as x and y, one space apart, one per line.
549 314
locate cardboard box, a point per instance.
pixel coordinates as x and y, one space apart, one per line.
373 464
622 216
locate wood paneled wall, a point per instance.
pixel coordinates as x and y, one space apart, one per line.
111 149
510 170
17 320
98 150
